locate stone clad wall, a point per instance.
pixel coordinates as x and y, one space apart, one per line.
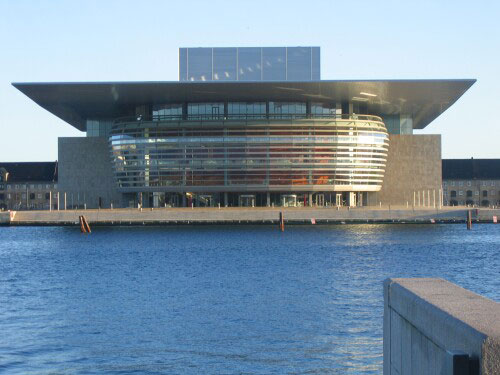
413 164
428 322
85 172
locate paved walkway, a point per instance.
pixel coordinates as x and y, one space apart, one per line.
257 215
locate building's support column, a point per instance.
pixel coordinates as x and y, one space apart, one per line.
184 203
226 201
310 199
268 199
50 200
65 202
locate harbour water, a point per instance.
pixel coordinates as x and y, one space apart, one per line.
219 299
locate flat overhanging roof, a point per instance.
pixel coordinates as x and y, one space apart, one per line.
74 102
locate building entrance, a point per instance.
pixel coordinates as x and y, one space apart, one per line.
247 200
289 200
320 199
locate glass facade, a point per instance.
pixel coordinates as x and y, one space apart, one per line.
167 111
246 110
295 155
399 124
205 111
249 64
99 128
287 110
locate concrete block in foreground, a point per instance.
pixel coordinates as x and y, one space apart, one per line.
432 326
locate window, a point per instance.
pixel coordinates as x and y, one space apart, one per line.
9 196
485 193
452 183
47 186
243 110
492 183
461 183
1 186
445 183
167 112
39 196
24 195
476 193
8 187
460 192
2 197
468 183
287 110
32 186
17 186
32 195
469 193
206 110
484 183
47 196
39 186
453 193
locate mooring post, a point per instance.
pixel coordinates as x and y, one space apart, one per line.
469 219
282 221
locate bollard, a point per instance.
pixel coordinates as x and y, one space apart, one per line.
282 221
469 219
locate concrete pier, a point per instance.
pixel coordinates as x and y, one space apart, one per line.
432 326
249 215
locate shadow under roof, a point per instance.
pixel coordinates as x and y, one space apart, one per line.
74 102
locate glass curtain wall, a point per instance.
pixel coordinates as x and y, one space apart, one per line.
205 111
246 110
167 112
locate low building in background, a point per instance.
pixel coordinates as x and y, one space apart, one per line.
249 127
28 186
471 182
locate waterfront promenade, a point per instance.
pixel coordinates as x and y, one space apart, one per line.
247 215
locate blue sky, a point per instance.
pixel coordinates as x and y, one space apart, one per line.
138 40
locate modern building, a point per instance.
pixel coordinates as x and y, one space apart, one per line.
28 186
471 182
278 137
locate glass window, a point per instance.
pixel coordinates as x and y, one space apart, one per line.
299 61
469 193
8 187
485 193
47 196
39 196
39 186
316 66
224 64
24 195
461 183
484 183
199 62
445 183
492 183
167 112
468 183
324 109
17 186
287 110
274 63
8 196
452 183
246 110
183 64
460 192
249 64
205 111
476 192
32 195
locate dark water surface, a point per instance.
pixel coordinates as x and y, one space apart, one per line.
219 300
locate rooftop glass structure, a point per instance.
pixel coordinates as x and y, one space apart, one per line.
249 64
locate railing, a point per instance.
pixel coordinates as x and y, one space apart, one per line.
245 117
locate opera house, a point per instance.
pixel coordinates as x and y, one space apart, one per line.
248 127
